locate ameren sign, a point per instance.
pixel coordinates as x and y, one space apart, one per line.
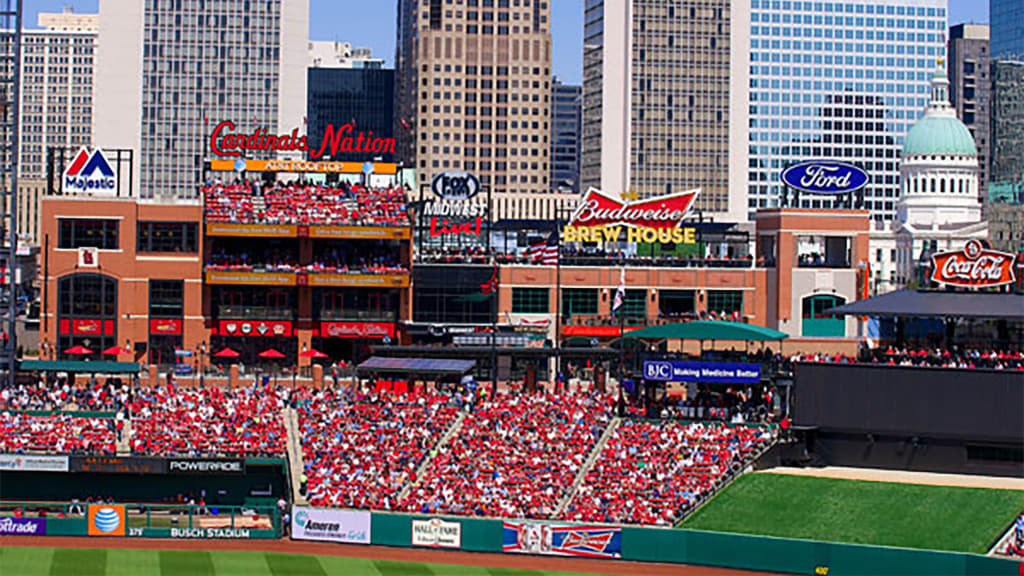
600 217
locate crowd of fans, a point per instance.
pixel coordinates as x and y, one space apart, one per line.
170 421
111 396
21 432
454 255
304 203
1015 546
360 451
955 357
651 472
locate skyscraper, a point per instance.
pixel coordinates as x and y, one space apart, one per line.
363 97
327 54
565 137
1007 18
970 86
473 90
56 102
1007 122
665 99
168 72
838 80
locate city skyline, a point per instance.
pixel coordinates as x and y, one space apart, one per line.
372 26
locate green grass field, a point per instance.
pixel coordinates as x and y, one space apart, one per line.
22 561
882 513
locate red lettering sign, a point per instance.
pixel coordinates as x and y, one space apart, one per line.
973 267
600 209
267 328
168 326
445 227
224 142
357 330
86 326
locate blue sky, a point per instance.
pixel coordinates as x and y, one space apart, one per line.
372 23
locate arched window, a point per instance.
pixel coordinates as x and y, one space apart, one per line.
942 186
86 313
933 185
818 324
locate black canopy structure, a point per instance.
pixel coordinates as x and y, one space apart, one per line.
422 366
936 304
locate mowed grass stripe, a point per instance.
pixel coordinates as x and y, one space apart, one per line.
121 562
879 513
79 562
22 560
293 565
181 562
392 568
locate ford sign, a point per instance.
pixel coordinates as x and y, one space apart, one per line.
825 177
455 185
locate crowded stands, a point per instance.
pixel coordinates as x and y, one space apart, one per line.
170 421
22 433
359 452
110 396
955 357
651 472
303 203
514 457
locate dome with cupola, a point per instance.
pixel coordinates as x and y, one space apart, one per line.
939 132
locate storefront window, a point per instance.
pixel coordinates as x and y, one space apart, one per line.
579 301
530 301
725 301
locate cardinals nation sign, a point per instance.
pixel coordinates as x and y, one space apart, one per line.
601 217
973 267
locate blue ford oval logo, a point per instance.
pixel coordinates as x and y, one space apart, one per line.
825 177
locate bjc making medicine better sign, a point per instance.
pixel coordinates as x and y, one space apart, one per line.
712 372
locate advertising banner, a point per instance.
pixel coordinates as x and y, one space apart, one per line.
330 525
973 267
250 278
30 463
357 329
23 526
360 280
562 540
166 326
360 232
436 533
118 465
227 165
107 520
261 230
205 466
255 328
711 372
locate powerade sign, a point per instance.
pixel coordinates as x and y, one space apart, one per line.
710 372
89 174
455 185
829 177
182 466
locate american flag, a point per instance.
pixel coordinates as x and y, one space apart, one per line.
620 293
545 253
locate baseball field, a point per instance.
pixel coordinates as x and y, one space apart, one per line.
861 512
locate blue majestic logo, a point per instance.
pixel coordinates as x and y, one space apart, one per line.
89 173
825 177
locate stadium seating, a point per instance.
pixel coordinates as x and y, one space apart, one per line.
514 457
360 453
208 422
60 434
650 472
304 204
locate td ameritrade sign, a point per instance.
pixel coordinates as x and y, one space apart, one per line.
23 526
348 526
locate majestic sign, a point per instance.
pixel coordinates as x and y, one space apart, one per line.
32 463
600 217
330 525
198 466
436 533
225 142
455 185
255 328
107 520
713 372
562 539
825 177
357 330
89 174
23 526
973 267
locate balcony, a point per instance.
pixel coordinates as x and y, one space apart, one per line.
228 312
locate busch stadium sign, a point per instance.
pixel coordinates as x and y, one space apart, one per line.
600 217
225 142
973 267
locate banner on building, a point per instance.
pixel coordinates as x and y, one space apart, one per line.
973 267
255 328
602 217
107 520
88 257
23 526
165 326
357 329
711 372
562 539
348 526
32 463
437 533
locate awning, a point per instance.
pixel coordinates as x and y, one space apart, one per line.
936 304
424 366
80 366
708 330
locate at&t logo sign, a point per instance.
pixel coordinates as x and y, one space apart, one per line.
89 174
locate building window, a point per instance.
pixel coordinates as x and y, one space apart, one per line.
75 233
634 305
677 303
529 300
166 298
168 237
579 301
86 313
725 301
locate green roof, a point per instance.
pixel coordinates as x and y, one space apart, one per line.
708 330
939 135
82 366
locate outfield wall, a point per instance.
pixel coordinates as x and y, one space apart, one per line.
664 545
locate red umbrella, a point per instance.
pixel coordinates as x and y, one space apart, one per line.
227 353
78 350
313 353
271 353
116 350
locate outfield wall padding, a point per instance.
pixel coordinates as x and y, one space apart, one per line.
478 535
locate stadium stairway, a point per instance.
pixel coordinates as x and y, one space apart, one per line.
595 453
295 463
422 469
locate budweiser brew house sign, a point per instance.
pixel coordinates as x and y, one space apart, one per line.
973 267
601 217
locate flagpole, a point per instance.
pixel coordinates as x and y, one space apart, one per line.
558 296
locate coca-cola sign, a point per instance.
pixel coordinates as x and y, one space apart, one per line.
973 267
600 209
825 177
225 142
